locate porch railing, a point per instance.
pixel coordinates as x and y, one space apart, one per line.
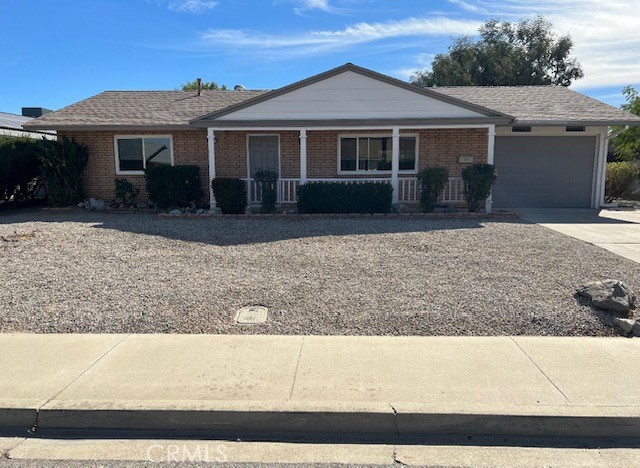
408 189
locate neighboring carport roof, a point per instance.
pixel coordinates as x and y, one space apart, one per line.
15 122
542 105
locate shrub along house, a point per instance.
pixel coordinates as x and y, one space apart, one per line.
351 124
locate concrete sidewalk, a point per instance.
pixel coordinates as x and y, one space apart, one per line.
527 386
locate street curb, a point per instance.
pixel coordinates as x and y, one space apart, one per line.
373 418
18 417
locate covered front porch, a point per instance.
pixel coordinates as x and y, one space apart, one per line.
350 155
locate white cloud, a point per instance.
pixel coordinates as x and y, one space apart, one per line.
466 5
192 6
327 6
420 62
312 5
311 42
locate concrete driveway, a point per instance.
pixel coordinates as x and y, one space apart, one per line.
616 230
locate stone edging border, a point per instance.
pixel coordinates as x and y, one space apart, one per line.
291 216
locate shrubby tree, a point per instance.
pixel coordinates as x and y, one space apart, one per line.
626 146
211 85
506 54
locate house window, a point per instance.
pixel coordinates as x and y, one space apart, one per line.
574 128
374 153
135 153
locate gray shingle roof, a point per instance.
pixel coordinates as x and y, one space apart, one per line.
529 105
542 104
140 109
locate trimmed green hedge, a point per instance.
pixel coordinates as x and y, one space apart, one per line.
269 190
433 181
478 180
230 195
174 186
336 197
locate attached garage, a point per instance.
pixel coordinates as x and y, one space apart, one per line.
544 171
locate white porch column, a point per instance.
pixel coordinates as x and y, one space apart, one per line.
303 156
603 148
211 144
395 163
491 148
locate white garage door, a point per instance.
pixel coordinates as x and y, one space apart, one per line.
544 172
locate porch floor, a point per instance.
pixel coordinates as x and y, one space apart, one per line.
134 273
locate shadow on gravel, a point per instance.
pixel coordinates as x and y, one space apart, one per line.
235 231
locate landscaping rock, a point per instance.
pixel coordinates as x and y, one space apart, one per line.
400 208
81 205
625 325
97 204
635 331
175 212
610 295
200 211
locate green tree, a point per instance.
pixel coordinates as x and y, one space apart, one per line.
506 54
211 85
626 146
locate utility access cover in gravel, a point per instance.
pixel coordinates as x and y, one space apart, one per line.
251 315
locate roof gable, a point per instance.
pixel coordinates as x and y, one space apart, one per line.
348 93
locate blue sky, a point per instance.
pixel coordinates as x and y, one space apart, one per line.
59 52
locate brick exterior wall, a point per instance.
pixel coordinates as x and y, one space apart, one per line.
444 147
439 147
189 147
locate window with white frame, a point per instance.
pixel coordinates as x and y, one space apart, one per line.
135 153
374 153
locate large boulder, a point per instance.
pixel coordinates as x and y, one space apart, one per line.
625 325
611 295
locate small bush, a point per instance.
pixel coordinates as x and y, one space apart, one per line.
62 164
620 176
230 195
336 197
125 193
478 181
433 181
174 186
268 186
19 168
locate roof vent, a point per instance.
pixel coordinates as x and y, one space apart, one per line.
239 87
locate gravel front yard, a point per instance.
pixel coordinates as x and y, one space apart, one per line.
121 273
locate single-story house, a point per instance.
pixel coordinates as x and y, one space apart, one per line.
350 124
